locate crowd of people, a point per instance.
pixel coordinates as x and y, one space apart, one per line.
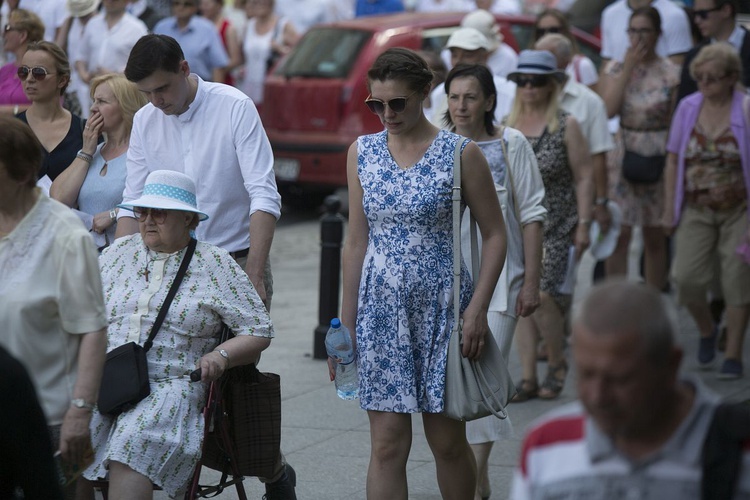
108 180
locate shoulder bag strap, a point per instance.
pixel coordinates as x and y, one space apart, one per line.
509 174
457 234
172 292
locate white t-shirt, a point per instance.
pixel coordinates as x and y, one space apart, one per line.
583 70
676 37
105 48
53 14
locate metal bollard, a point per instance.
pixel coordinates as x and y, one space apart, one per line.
331 236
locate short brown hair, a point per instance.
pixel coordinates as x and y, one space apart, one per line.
25 20
20 151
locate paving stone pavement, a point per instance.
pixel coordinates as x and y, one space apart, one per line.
327 439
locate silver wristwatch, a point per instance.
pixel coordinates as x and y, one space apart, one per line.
81 403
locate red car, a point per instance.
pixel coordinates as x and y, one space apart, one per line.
314 109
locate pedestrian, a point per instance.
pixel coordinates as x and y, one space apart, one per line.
398 284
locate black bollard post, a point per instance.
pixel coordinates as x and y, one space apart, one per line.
331 236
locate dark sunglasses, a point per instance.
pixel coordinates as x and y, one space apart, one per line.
184 4
534 80
159 215
39 73
703 13
8 28
397 104
540 32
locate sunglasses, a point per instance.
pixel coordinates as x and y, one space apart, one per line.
703 13
640 31
540 32
709 79
534 80
158 215
39 73
397 104
8 28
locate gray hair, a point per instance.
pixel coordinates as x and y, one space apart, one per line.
559 45
617 307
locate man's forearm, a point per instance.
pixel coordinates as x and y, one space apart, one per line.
262 227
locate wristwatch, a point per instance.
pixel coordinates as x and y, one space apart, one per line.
81 403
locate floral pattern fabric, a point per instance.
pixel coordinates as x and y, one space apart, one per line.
405 312
161 437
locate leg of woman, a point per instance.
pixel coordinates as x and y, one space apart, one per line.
456 469
527 339
617 263
551 323
482 456
655 250
127 484
390 440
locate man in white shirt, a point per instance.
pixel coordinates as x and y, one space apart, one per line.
212 133
589 110
53 14
107 40
470 46
676 38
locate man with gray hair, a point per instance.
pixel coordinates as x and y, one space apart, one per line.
639 428
588 108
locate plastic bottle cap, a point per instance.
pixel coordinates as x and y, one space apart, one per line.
335 323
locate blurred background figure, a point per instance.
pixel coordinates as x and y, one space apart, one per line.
94 185
304 14
45 73
197 36
53 14
23 28
81 12
497 6
143 11
642 90
377 7
213 10
107 40
268 37
581 69
501 58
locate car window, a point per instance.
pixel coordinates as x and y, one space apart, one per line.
325 53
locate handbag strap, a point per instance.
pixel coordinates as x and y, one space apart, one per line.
509 174
172 292
457 235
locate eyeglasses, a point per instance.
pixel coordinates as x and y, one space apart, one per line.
709 79
397 104
158 215
177 3
540 32
8 28
703 13
534 80
640 31
38 72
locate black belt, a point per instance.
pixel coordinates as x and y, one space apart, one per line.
239 253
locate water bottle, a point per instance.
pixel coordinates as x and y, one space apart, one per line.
341 351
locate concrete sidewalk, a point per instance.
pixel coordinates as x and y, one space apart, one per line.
327 439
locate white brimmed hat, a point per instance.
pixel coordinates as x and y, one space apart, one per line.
603 245
484 21
168 190
80 8
537 62
468 39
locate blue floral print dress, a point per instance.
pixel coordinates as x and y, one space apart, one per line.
405 312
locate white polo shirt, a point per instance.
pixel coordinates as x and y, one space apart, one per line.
676 37
591 114
221 144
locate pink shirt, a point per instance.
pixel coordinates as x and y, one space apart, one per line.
11 89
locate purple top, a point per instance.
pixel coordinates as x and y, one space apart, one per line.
683 122
11 89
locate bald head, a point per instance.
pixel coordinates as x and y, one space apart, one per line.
559 45
625 308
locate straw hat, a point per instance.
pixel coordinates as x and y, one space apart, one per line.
80 8
537 62
484 21
468 39
168 190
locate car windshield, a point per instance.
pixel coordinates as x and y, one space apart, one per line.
325 53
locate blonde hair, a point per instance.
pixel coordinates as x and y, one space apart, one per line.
722 53
126 92
552 108
62 65
25 20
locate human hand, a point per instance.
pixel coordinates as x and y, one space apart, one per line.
212 365
91 133
582 240
603 217
75 437
102 222
260 287
635 54
528 300
474 331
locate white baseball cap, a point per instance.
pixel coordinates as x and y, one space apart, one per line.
468 39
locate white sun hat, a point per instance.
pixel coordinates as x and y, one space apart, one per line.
484 21
167 190
468 39
603 245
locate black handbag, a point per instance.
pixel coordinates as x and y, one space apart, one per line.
640 169
125 376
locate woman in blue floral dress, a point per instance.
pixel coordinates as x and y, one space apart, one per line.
398 281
